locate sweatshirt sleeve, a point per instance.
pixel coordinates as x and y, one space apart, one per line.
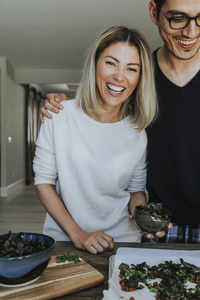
138 180
44 163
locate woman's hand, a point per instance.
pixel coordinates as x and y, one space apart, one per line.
93 242
138 198
150 236
81 240
52 103
159 233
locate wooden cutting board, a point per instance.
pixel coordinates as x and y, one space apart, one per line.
57 280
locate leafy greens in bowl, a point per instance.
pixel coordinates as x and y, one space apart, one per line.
152 217
23 257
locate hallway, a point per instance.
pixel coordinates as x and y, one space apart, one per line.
22 211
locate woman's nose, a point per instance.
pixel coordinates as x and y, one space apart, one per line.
118 75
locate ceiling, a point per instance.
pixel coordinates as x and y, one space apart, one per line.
54 34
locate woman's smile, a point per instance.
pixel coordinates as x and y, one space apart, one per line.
115 89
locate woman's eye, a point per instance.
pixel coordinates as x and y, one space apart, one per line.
110 63
132 69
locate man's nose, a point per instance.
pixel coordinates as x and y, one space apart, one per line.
192 30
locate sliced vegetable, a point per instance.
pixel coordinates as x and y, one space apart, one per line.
67 257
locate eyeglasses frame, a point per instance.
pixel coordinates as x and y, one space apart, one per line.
172 18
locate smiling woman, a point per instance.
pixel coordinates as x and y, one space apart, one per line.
90 162
130 65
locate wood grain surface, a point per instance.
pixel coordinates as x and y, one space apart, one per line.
57 280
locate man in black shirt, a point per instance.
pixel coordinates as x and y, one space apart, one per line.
174 139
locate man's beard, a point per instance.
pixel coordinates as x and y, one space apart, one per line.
183 58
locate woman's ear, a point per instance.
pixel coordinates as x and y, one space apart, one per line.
153 12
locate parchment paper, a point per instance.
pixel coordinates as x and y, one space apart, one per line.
152 257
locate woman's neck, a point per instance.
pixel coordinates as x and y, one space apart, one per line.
106 117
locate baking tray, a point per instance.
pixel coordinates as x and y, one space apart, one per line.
151 256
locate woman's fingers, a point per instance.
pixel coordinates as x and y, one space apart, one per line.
98 247
162 233
106 242
149 236
159 234
170 225
131 217
98 242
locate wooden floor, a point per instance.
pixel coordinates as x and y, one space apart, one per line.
22 211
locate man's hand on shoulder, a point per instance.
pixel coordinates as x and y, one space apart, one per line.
52 103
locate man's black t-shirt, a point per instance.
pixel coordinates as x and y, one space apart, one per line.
174 149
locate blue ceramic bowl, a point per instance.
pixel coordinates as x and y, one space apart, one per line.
22 269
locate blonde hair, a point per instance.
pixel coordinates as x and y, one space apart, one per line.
142 104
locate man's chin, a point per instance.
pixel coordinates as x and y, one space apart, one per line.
187 55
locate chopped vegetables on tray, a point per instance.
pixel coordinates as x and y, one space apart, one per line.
168 280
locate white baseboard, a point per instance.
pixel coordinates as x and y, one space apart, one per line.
12 188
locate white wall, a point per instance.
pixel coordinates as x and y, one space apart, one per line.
15 98
12 128
47 76
12 118
3 134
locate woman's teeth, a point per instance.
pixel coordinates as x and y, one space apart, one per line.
187 42
115 89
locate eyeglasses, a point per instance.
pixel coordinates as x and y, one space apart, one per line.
180 22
